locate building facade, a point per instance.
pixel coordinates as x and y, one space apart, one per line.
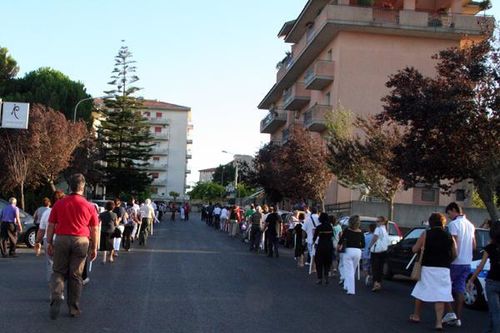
171 128
342 54
206 175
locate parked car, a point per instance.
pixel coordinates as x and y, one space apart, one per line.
476 297
395 234
399 256
28 236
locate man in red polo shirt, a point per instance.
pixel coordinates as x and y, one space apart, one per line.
74 221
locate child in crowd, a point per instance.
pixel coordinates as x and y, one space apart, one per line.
366 255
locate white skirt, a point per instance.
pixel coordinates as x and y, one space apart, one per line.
434 285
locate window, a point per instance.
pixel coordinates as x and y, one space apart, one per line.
158 114
329 55
157 129
460 195
155 175
428 195
156 158
154 190
147 114
328 99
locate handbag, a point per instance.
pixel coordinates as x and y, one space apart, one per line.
416 272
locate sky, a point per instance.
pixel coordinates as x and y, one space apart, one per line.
217 57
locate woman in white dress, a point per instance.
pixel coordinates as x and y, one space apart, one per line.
434 285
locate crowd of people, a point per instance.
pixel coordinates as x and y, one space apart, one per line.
75 231
330 250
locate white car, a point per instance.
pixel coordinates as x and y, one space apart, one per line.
476 297
395 234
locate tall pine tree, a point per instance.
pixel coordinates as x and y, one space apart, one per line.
125 139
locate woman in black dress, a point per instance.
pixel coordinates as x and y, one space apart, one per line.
108 223
299 237
323 238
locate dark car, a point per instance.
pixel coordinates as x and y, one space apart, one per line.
400 255
28 236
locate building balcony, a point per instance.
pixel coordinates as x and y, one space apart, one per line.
336 18
157 121
273 121
157 166
296 97
189 141
159 182
319 75
159 151
189 155
188 171
315 117
160 136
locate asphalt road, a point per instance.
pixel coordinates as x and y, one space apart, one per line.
191 278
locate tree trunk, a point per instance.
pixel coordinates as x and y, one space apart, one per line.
390 210
322 200
21 190
486 193
52 185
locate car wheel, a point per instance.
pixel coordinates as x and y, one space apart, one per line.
30 237
388 274
474 298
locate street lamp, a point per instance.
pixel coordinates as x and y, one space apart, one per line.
235 174
83 100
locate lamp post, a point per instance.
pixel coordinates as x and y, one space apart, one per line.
83 100
235 175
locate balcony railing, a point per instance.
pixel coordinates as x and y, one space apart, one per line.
157 121
157 166
315 117
319 75
189 141
273 121
296 97
159 181
160 136
159 151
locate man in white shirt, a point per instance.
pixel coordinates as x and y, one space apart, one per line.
309 226
217 211
147 215
462 230
224 215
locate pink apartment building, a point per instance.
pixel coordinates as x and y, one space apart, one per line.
343 53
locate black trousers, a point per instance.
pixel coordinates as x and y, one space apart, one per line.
323 261
377 261
255 236
272 244
127 235
8 235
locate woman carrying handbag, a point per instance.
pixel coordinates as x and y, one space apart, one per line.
434 285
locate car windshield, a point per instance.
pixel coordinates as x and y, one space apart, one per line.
482 239
414 234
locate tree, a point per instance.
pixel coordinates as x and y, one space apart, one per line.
54 140
364 160
51 88
267 172
18 168
296 170
174 195
207 191
452 120
305 173
8 65
84 161
124 134
224 174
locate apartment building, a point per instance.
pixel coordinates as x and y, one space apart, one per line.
171 128
343 53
